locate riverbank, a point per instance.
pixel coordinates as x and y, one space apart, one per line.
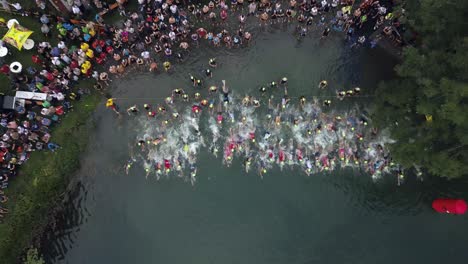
43 179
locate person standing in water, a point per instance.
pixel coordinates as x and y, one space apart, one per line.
225 92
110 104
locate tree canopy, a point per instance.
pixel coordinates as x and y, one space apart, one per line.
426 105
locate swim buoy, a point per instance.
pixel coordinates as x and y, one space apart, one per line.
16 67
450 206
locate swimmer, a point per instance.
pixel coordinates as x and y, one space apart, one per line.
128 165
341 95
323 84
196 109
262 171
263 89
211 105
284 80
256 103
325 32
193 80
273 84
225 93
212 62
219 117
141 144
246 100
132 110
357 90
209 73
193 174
284 101
350 93
327 102
147 107
161 109
197 95
185 97
214 150
169 100
302 100
278 120
212 89
247 163
177 92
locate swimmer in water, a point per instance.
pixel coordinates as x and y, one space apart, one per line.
209 73
193 174
212 62
263 89
193 80
246 100
284 81
132 110
341 95
325 32
323 84
128 165
219 117
302 100
225 93
248 163
141 144
256 103
185 97
357 90
212 89
177 92
327 102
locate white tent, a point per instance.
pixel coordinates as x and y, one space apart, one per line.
31 96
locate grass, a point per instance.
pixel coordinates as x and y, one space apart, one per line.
43 179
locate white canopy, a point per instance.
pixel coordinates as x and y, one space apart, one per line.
31 96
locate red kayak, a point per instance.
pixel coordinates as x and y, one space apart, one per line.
450 206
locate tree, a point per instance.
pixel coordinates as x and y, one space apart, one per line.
32 257
427 104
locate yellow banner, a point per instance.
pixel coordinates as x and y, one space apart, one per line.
17 35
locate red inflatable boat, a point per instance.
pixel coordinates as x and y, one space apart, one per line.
450 206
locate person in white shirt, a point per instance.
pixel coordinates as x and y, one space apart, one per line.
76 10
17 6
173 9
145 55
65 58
61 45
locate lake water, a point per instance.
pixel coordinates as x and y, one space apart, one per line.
231 217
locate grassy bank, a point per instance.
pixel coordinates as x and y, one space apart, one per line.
43 179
